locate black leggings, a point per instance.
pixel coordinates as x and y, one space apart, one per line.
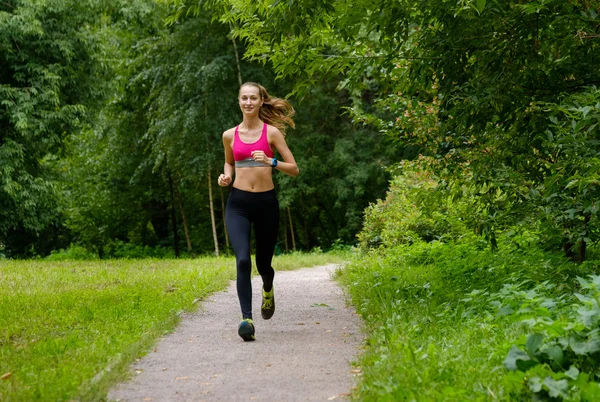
244 209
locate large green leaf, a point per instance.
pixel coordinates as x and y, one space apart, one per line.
584 346
533 343
518 359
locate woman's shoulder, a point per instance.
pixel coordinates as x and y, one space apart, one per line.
273 132
229 133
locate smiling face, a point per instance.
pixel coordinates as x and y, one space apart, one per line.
250 100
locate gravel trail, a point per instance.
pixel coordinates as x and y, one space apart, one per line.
303 353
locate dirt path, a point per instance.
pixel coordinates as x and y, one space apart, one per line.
302 353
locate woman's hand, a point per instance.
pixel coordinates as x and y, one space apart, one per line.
224 180
260 156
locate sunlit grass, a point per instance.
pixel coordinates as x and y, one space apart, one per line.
70 329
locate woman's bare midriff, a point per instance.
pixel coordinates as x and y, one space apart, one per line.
254 179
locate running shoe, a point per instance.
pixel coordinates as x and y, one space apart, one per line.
268 304
246 329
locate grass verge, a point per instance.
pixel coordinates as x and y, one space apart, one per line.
441 319
71 329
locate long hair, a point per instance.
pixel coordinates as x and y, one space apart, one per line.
274 111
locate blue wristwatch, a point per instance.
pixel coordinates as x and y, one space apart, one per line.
273 162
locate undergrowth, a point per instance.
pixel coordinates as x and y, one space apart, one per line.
457 321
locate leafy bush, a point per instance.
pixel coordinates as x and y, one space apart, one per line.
442 318
73 253
415 209
560 356
115 249
121 249
339 246
419 341
568 198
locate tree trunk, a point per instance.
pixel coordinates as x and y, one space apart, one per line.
568 249
306 237
223 212
185 225
581 249
287 249
173 217
577 251
212 213
292 229
582 246
327 214
237 61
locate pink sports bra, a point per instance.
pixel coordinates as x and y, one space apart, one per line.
242 152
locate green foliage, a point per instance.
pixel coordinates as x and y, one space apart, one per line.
456 292
72 253
58 62
342 170
418 343
477 85
559 356
50 73
414 209
569 196
442 317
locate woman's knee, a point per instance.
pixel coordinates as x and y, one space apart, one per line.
244 264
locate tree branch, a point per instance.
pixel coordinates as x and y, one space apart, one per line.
585 35
376 57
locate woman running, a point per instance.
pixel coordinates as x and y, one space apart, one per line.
252 201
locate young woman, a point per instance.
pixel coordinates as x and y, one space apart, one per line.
252 202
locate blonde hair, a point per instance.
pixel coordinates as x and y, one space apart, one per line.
274 111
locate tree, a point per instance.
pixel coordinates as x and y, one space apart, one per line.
343 169
159 134
50 74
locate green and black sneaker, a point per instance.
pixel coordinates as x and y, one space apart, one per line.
246 329
267 309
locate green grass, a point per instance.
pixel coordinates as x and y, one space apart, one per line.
69 330
426 341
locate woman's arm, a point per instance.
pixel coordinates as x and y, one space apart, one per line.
288 164
228 168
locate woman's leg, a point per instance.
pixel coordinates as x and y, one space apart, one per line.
266 226
238 228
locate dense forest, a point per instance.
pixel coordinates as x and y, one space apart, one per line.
112 118
111 135
112 111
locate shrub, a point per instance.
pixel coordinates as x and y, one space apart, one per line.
121 249
460 321
73 252
415 208
115 249
560 356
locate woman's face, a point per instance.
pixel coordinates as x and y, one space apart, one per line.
250 100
